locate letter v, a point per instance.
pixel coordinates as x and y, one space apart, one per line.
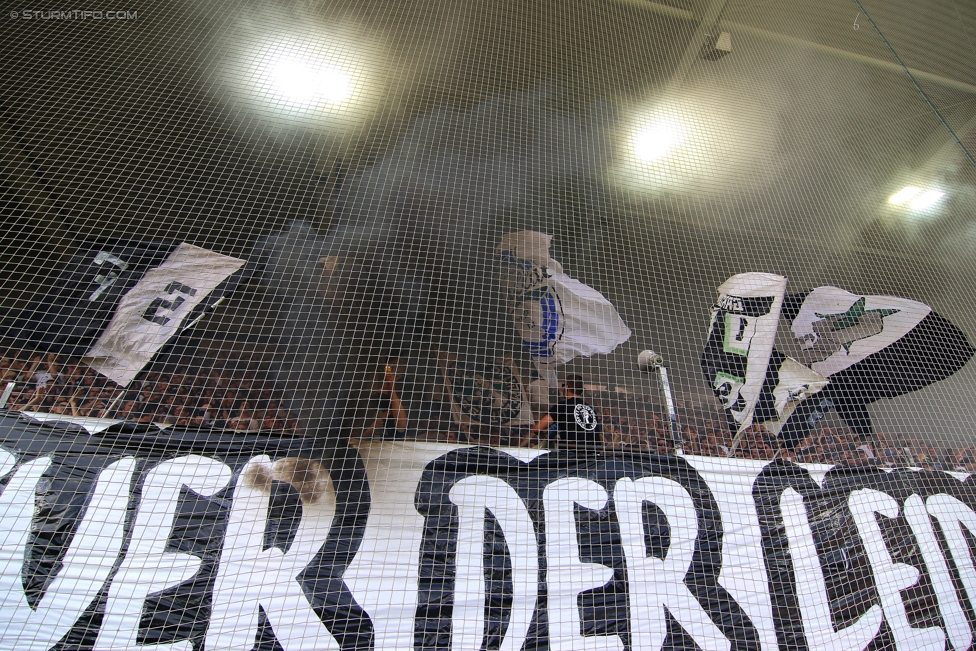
86 565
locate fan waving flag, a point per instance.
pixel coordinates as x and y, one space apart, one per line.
558 317
871 347
153 311
740 342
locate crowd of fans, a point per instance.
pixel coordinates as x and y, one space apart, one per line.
704 432
176 395
184 395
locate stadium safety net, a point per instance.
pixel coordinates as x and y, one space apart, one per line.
502 325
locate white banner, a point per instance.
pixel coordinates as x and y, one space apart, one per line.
152 312
436 546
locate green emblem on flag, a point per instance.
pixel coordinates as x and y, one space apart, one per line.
856 315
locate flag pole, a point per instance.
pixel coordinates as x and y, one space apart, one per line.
9 389
647 362
672 412
735 441
111 406
202 314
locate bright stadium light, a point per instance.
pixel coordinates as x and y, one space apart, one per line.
696 144
304 79
926 200
904 195
919 200
657 140
322 77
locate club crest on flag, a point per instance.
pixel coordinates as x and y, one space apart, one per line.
539 321
485 392
488 393
534 306
833 332
557 317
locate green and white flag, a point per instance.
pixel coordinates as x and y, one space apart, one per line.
871 347
837 329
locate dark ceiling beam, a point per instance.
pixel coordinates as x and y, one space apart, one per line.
707 28
704 31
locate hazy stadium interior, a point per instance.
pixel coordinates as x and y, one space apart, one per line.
462 121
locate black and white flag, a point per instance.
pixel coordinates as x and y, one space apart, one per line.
788 384
558 317
153 311
739 346
486 393
837 329
69 317
870 347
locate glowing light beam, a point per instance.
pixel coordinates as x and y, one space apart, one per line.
306 83
904 195
926 200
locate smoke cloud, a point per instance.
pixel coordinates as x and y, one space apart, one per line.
408 267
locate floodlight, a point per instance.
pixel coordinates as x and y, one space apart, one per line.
657 140
907 193
304 78
926 200
303 82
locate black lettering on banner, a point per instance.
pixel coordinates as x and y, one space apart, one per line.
322 579
160 303
877 592
448 495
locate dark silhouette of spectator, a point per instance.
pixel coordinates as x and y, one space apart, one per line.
391 419
577 425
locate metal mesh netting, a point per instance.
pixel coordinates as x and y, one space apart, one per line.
613 324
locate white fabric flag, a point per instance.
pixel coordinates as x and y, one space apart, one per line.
558 317
740 342
152 312
795 384
838 329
